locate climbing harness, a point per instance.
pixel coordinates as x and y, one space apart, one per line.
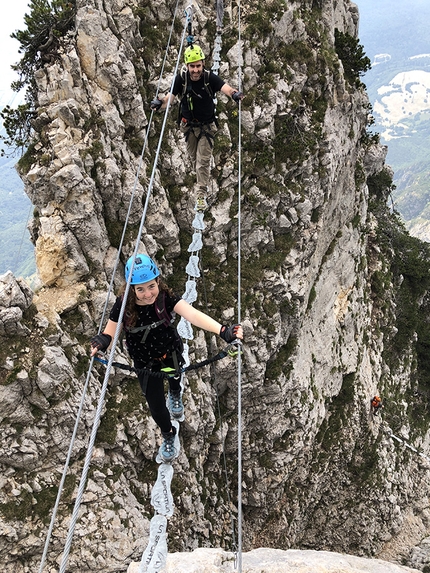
202 128
146 329
232 350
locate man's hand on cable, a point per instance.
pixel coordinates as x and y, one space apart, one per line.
231 333
237 96
100 342
156 104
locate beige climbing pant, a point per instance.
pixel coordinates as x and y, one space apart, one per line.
200 140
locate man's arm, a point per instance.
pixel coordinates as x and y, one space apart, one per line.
228 90
157 104
165 100
161 103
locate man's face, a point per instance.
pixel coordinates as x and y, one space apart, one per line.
195 70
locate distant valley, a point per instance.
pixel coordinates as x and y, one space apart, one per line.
403 104
395 38
16 249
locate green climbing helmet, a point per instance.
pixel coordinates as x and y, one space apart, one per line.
144 270
193 54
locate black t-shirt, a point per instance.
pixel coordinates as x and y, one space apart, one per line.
159 341
203 105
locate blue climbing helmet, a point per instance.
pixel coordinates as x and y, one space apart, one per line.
144 270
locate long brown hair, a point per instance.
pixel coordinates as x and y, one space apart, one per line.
130 311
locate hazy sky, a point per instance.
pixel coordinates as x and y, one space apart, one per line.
12 19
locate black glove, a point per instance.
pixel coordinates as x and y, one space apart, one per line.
156 104
237 96
228 333
101 341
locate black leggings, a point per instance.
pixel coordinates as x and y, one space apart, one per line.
153 389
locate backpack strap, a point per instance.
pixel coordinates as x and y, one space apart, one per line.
181 95
202 132
160 308
206 74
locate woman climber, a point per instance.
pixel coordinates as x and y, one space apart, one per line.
154 343
197 87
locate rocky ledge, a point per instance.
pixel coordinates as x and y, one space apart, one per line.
274 561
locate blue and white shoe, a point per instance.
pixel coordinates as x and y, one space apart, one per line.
175 404
171 446
167 449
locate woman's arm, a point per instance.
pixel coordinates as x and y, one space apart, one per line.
111 327
200 319
110 330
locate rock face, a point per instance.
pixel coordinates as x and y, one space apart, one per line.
331 302
15 298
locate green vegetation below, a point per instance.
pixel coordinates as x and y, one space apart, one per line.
404 280
17 251
400 31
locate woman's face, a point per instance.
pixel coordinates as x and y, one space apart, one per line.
146 293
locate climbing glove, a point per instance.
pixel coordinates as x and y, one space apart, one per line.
101 341
228 333
237 96
156 104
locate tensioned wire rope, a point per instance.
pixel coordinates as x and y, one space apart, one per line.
239 303
220 418
237 547
104 387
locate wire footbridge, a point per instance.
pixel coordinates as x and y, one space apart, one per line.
154 555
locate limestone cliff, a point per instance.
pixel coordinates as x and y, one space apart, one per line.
333 306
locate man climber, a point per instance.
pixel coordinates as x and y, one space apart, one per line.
376 404
196 87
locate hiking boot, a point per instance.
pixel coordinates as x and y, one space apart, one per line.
201 204
176 406
167 449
